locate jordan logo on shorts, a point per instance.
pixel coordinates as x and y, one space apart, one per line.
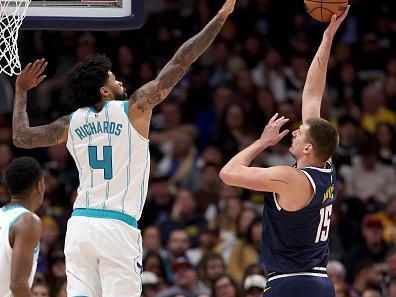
140 267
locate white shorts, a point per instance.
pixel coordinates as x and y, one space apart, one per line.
103 258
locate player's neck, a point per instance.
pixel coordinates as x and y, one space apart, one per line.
307 162
26 202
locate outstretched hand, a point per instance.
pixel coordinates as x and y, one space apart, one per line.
271 135
228 8
32 75
335 23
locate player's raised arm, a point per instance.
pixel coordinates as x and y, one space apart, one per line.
157 90
30 137
316 78
278 179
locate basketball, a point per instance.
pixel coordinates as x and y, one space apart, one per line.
323 10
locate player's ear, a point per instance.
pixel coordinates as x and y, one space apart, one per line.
41 185
105 92
308 148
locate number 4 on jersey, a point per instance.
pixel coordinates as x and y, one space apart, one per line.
106 164
324 224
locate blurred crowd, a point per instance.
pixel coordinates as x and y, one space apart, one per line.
201 237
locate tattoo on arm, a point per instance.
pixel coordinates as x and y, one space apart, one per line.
154 92
30 137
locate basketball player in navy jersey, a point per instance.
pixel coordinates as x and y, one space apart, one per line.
298 200
108 139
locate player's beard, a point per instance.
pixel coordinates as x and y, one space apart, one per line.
121 96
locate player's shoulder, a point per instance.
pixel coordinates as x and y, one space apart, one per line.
28 221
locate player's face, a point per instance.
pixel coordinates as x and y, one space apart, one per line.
115 89
299 142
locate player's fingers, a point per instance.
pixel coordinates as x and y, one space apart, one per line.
342 17
283 134
34 66
27 67
38 67
42 68
273 118
281 121
40 79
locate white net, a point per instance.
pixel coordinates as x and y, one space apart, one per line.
12 13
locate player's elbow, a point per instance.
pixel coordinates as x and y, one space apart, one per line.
226 176
17 140
19 288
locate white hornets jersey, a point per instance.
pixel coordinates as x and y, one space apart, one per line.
112 158
8 216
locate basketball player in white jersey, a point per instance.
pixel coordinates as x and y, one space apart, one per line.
108 139
20 228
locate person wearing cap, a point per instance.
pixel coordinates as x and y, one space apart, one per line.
186 280
254 285
373 247
150 284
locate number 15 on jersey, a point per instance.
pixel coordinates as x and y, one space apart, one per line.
324 225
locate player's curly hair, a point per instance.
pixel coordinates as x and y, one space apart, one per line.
86 79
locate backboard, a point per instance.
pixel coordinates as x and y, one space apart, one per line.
86 15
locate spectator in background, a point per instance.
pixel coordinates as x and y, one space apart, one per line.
235 131
159 202
153 262
336 271
150 284
245 250
209 118
367 275
209 242
151 240
390 264
392 288
388 218
179 165
348 129
178 243
254 285
40 289
341 289
184 215
185 279
49 236
386 138
57 268
60 289
369 179
371 293
6 157
229 216
210 268
372 247
225 286
208 192
374 110
263 108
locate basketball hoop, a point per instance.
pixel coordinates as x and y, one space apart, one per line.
12 13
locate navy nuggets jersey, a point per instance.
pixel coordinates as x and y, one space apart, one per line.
298 241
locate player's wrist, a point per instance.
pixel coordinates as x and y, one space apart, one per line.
20 91
263 143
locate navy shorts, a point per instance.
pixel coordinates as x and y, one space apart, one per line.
299 286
